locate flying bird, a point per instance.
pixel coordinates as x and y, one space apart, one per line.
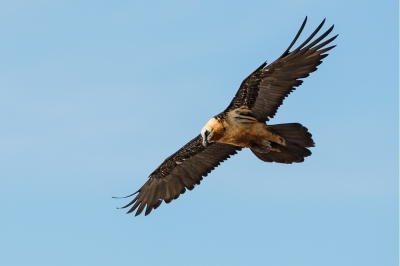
242 125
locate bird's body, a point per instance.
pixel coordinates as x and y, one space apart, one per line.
242 125
239 128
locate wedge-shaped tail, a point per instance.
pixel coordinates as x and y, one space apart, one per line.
297 138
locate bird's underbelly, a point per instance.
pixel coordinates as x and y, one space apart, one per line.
249 135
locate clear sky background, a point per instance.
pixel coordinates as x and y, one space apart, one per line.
94 95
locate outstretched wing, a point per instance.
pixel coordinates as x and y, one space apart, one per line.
264 90
182 170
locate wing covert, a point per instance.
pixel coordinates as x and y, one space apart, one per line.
182 170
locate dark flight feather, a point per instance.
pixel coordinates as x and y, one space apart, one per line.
184 169
265 89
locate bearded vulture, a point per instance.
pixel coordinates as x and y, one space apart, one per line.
242 125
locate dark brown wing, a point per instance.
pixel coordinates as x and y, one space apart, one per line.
264 90
183 169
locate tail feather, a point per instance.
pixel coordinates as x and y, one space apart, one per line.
297 138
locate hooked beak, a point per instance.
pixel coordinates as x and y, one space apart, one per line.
205 138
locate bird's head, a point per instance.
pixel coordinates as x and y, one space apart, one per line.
208 132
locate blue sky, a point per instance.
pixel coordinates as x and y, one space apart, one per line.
95 95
